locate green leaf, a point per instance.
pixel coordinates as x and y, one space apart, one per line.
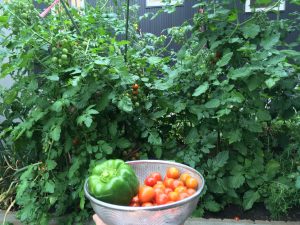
153 60
250 30
103 61
53 77
249 198
225 59
212 206
76 162
112 128
55 133
271 82
104 100
193 136
158 114
49 186
158 152
179 106
106 148
197 110
298 182
57 106
263 115
236 181
154 138
254 82
123 143
221 159
272 168
240 73
125 104
3 19
201 89
51 164
234 136
214 103
270 41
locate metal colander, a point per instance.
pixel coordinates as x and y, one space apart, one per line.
173 214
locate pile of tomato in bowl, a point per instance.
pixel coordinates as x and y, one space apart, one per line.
160 190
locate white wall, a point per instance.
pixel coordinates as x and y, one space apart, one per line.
5 82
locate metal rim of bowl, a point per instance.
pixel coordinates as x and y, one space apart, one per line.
150 208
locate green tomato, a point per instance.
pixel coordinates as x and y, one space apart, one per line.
64 41
54 59
54 49
84 43
60 61
137 104
64 56
65 51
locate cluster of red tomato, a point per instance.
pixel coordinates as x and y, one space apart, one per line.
135 88
174 187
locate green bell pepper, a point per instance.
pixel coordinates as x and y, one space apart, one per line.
113 181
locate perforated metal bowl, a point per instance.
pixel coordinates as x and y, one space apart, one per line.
173 214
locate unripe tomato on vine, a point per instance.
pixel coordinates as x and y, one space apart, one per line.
135 92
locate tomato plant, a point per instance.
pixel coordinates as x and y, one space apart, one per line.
226 103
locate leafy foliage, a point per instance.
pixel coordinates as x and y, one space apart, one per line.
226 104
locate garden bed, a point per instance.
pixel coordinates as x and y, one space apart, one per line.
258 212
193 221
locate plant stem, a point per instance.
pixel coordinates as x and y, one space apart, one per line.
70 16
7 211
26 167
126 31
236 8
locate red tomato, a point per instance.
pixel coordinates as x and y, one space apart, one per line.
161 199
147 204
158 191
150 181
173 196
156 175
176 183
183 195
180 189
135 199
190 191
173 172
135 86
168 190
191 183
160 186
169 202
184 176
237 218
146 194
168 182
134 204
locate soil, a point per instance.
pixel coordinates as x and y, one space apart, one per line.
258 212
